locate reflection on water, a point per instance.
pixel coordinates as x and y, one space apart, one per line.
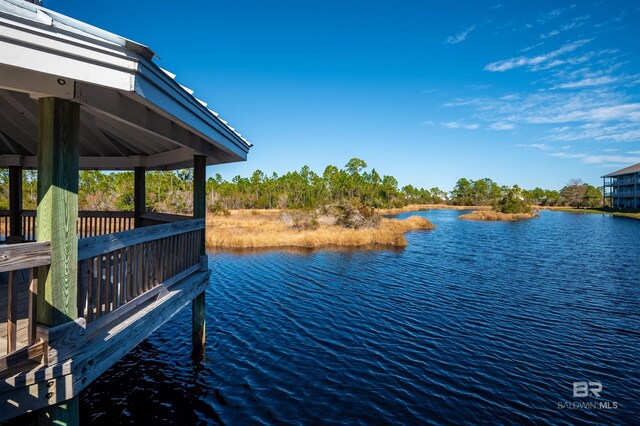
473 323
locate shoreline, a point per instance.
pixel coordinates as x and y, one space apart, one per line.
629 215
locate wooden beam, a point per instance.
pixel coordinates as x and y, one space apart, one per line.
15 204
58 164
102 102
139 195
23 256
199 211
165 217
34 353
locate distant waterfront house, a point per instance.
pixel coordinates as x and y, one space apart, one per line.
622 187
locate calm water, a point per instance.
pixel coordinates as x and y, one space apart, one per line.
473 323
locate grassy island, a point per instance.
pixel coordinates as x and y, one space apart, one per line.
509 207
492 216
281 228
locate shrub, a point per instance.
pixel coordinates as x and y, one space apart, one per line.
348 216
301 220
512 202
218 209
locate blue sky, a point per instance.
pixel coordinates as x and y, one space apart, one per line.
530 93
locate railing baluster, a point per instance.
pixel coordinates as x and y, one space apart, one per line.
12 313
33 294
82 288
98 293
131 277
90 289
120 277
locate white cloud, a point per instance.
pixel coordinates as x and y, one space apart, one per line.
633 152
567 155
540 146
574 24
587 82
455 39
429 123
528 48
549 16
611 150
460 125
598 159
560 129
502 126
533 61
550 34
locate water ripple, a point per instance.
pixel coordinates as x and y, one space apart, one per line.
473 323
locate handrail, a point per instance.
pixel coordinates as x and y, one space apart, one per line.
23 256
103 244
81 213
90 223
163 217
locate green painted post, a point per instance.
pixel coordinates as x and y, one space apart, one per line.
58 138
199 211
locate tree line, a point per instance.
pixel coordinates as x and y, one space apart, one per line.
483 192
171 192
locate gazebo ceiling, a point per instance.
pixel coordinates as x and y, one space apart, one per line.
133 113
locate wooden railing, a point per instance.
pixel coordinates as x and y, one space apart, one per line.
19 262
153 218
94 223
90 223
118 272
28 219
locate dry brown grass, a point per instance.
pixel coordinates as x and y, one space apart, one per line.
496 216
264 229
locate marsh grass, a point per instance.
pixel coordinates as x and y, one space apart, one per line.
266 229
493 216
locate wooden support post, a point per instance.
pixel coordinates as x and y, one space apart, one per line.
139 195
57 215
15 205
199 211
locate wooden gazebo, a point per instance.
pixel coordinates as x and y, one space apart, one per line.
79 290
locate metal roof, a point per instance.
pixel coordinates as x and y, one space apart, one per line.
627 170
133 113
